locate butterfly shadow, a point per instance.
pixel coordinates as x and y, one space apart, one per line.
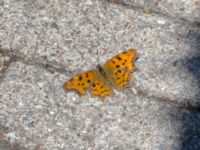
190 133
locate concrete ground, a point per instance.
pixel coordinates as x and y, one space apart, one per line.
44 43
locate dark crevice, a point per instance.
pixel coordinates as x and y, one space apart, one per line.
191 122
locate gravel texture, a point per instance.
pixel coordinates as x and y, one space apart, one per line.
187 10
43 44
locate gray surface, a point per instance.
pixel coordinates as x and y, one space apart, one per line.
188 10
47 43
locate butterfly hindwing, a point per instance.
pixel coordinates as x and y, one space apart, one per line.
121 78
80 83
101 89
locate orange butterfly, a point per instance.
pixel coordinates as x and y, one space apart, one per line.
114 73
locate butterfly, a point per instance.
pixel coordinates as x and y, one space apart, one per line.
116 73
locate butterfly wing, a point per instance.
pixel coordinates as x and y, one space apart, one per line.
120 67
123 60
89 80
121 78
101 89
82 82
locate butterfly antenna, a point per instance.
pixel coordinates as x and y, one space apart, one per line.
98 56
98 10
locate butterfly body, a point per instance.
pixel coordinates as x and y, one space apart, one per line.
116 73
104 74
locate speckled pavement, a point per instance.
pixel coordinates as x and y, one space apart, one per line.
43 44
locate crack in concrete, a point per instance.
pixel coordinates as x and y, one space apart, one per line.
147 10
185 104
20 57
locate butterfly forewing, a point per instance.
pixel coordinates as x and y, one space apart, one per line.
81 82
123 60
101 89
120 67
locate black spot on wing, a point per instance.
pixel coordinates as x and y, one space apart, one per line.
80 78
94 85
87 75
117 66
113 62
119 71
119 58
